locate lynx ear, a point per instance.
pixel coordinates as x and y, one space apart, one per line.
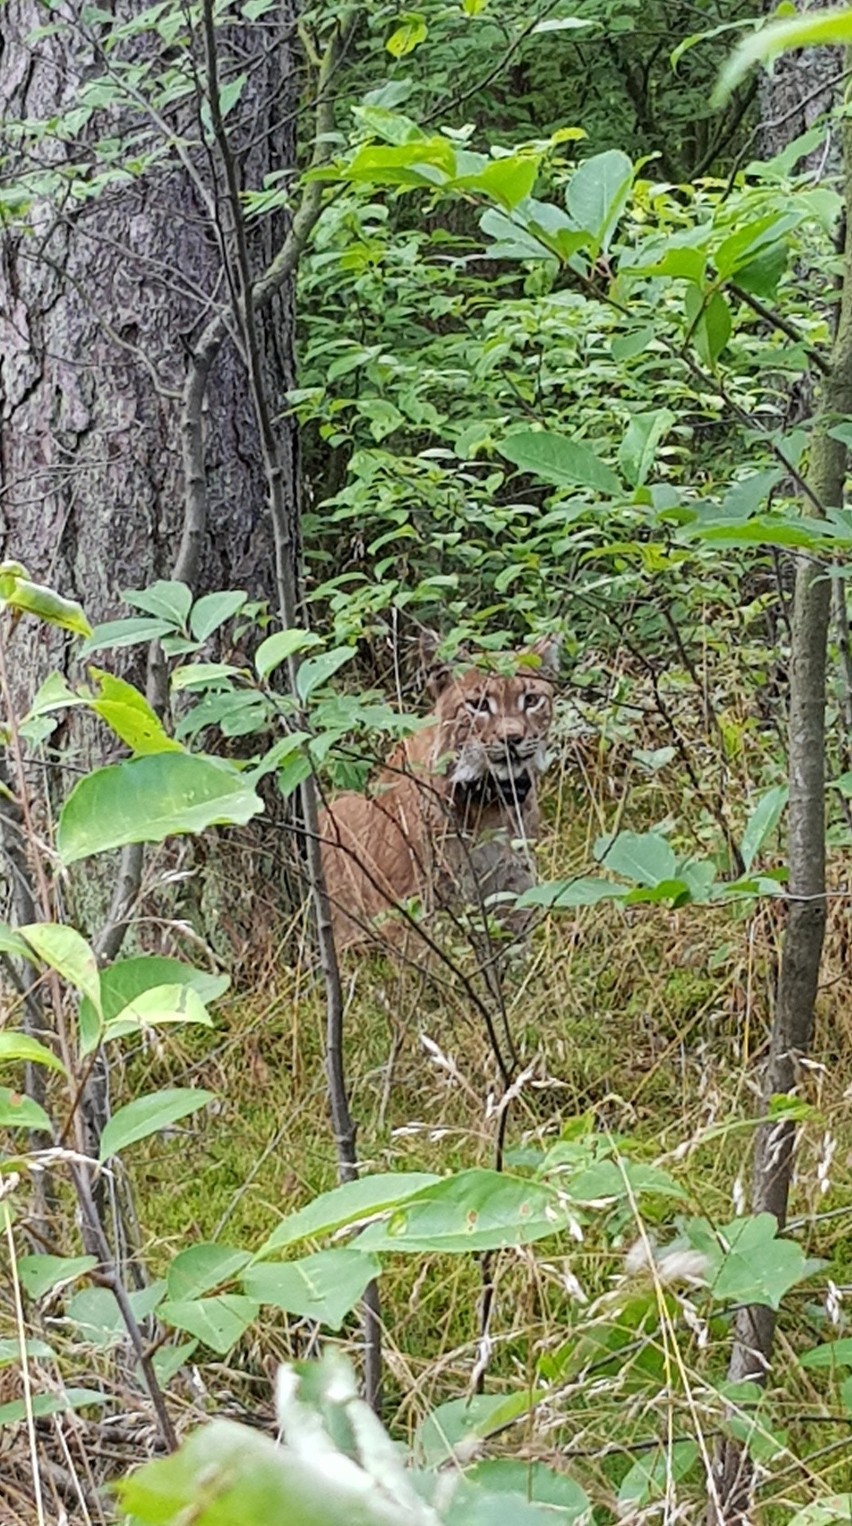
548 649
437 672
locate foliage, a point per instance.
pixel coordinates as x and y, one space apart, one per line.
491 313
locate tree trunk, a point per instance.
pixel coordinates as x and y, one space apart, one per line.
103 300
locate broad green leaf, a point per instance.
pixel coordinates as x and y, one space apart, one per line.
150 799
390 126
598 192
169 1360
831 1354
534 1482
638 450
165 600
607 1180
748 1262
98 1319
474 1210
475 1418
512 240
324 1287
218 1322
70 955
348 1204
19 1046
276 649
136 631
743 245
161 1004
37 1351
41 1274
562 895
230 1475
316 671
17 592
565 463
124 982
18 1111
645 857
147 1115
13 944
762 823
411 31
833 1510
507 181
811 30
130 716
204 675
50 1404
709 322
473 1505
202 1267
651 1475
428 162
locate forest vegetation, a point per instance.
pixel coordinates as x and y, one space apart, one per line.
327 332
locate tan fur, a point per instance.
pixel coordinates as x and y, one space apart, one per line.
450 817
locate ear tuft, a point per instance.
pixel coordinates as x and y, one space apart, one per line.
548 650
437 673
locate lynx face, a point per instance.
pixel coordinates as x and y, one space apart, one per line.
493 728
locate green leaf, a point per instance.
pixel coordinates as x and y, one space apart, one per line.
813 29
278 648
474 1210
147 1115
565 463
562 895
316 671
613 1181
50 1404
41 1274
638 450
17 592
762 823
218 1322
408 35
509 180
70 955
459 1421
166 600
748 1262
832 1354
37 1351
598 192
127 980
13 944
202 1267
652 1474
20 1112
98 1318
119 633
833 1510
534 1482
161 1004
348 1204
19 1046
644 857
204 675
513 241
229 1475
150 799
324 1287
709 323
130 716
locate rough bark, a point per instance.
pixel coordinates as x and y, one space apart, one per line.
793 1024
102 304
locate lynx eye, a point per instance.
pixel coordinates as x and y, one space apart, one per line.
533 701
478 704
